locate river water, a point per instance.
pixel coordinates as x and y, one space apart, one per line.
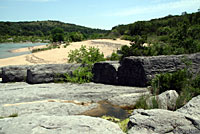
5 48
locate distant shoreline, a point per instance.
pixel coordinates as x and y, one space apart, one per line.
27 49
60 55
21 42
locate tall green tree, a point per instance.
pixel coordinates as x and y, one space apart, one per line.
57 34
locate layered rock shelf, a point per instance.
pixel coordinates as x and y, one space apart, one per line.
138 71
132 71
36 74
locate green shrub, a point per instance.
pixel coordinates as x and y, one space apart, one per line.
169 81
186 84
189 91
184 97
80 75
114 56
142 103
154 103
86 57
76 36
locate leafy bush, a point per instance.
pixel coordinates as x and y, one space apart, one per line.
186 84
114 56
142 103
87 57
154 103
76 36
80 75
169 81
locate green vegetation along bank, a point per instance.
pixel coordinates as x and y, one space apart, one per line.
164 36
41 31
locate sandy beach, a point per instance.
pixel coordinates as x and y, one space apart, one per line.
60 55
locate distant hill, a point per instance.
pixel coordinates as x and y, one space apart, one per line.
42 28
163 36
160 26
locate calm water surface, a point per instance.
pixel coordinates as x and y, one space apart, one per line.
5 48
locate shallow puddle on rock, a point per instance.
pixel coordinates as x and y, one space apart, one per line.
107 109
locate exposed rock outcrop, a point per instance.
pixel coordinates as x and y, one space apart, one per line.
14 73
23 98
166 100
37 73
138 71
106 72
49 72
157 121
192 107
36 123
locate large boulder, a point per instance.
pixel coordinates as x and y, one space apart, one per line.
138 71
49 72
43 124
192 108
14 73
166 100
106 72
159 121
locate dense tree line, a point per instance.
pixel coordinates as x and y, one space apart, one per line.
44 29
168 35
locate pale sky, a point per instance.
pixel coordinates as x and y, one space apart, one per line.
103 14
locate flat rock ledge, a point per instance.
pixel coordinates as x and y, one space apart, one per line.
43 124
62 99
56 108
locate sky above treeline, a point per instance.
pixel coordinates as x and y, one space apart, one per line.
103 14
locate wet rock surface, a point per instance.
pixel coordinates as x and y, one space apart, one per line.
48 108
60 99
